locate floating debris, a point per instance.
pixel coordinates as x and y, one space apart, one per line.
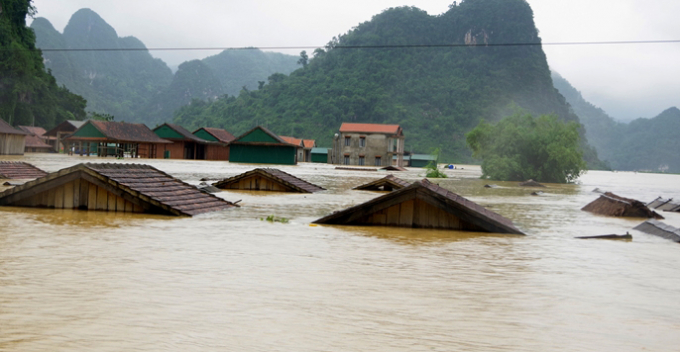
530 183
491 186
204 187
537 193
355 168
627 236
658 228
387 183
612 205
423 205
267 179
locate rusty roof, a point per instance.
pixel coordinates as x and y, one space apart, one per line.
390 181
19 170
34 130
162 192
222 135
66 126
124 132
370 128
429 192
6 128
292 140
277 175
308 143
610 204
33 141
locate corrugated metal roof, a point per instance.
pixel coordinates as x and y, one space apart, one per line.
184 132
124 132
6 128
426 157
425 190
19 170
282 177
658 228
222 135
144 183
265 130
369 128
319 150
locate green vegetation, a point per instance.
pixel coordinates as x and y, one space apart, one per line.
436 94
134 86
272 218
521 147
28 94
643 144
432 170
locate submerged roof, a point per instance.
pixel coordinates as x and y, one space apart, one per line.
612 205
8 129
144 185
393 168
19 170
220 134
261 136
369 128
317 150
664 204
425 157
116 131
284 178
472 216
387 183
658 228
66 126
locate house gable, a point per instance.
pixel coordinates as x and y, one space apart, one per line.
201 133
258 136
167 132
88 130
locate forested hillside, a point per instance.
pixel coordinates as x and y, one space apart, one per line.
436 93
134 86
643 144
28 94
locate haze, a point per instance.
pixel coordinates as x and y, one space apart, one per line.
627 81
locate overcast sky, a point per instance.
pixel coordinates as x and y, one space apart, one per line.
627 81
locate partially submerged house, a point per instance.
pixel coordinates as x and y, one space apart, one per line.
368 144
218 135
308 145
61 131
186 145
116 139
388 183
130 188
16 170
12 140
268 179
658 228
299 147
35 140
664 204
319 155
261 146
422 160
612 205
423 205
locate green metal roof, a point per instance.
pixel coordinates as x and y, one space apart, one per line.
423 157
319 150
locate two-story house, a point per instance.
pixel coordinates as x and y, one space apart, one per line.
368 144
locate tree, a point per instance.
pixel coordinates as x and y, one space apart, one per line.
303 59
521 147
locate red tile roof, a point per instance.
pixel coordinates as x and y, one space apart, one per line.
222 135
308 143
369 128
292 140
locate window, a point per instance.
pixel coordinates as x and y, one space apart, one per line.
378 161
346 159
362 141
361 160
347 141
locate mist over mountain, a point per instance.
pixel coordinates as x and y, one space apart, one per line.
134 86
435 93
642 144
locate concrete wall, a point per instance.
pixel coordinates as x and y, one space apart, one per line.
376 145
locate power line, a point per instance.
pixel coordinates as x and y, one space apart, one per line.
405 46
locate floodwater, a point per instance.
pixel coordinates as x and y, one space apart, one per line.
228 281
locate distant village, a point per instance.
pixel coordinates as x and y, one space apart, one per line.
357 144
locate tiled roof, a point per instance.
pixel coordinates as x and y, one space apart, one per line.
292 140
390 181
36 131
19 170
6 128
369 128
66 126
446 200
126 132
33 141
285 178
162 192
308 143
222 135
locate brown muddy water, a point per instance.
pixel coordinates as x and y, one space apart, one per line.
227 281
